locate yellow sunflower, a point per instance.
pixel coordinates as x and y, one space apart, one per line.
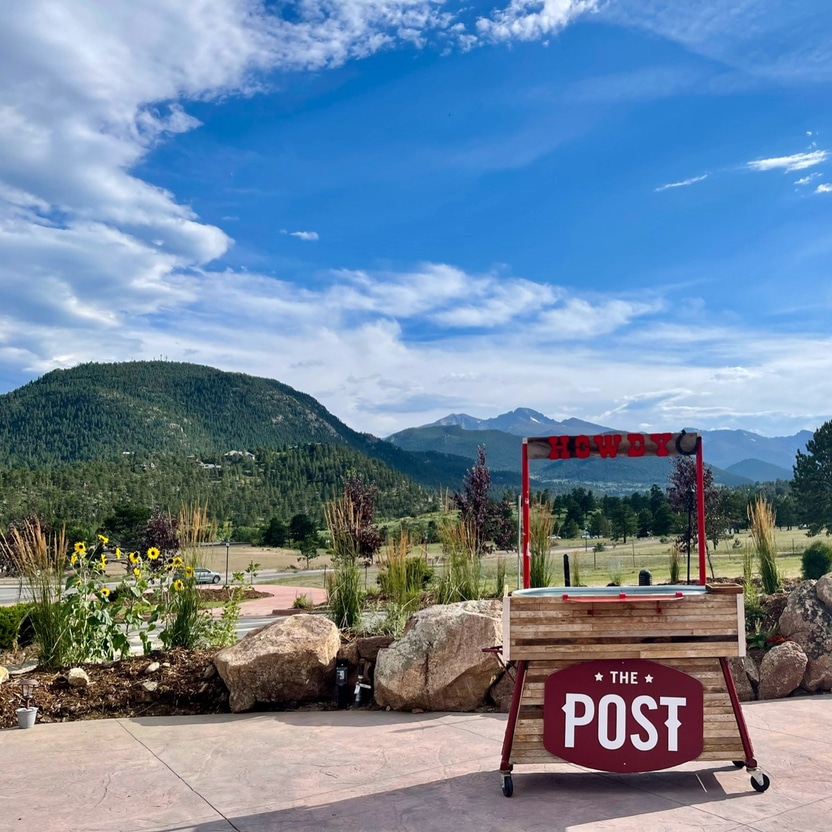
118 553
80 548
177 562
189 571
102 562
105 593
134 558
152 553
73 559
104 540
137 572
178 585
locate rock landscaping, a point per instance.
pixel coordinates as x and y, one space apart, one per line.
437 665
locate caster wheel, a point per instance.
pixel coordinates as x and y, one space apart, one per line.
738 763
760 782
508 786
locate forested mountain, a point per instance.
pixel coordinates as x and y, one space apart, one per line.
245 489
76 442
105 411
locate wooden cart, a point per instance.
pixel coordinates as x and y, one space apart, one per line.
625 678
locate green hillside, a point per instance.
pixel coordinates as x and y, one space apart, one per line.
100 411
246 490
105 411
76 442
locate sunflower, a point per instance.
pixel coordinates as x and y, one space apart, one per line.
137 572
134 558
118 553
188 571
102 562
104 540
152 553
73 559
177 562
178 585
80 548
105 593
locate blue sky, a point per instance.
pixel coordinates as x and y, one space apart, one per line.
616 210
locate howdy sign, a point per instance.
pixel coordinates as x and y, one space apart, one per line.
627 715
612 445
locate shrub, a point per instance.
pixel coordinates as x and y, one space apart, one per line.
675 563
10 621
817 560
302 602
541 523
462 578
761 518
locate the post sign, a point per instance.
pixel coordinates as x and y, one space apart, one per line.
623 715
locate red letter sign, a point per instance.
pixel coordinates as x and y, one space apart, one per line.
627 715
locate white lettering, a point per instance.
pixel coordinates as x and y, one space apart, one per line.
673 704
620 721
652 739
572 720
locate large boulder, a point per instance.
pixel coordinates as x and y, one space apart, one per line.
807 620
781 670
438 664
290 661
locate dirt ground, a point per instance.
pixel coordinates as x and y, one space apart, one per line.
186 683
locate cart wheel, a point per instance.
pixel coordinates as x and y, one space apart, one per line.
508 786
738 763
760 782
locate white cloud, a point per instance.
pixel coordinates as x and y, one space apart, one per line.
823 188
304 235
797 161
532 19
683 183
805 180
762 39
87 89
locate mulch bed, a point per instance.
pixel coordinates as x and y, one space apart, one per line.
187 683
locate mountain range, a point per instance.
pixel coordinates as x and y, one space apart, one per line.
95 434
737 456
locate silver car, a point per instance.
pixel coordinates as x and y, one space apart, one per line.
203 575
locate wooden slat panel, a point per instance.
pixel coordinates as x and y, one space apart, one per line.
721 738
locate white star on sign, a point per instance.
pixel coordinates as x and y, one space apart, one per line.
648 678
599 677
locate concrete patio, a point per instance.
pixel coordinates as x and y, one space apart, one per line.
384 771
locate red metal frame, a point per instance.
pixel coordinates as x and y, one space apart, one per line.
524 466
700 512
508 739
520 678
750 762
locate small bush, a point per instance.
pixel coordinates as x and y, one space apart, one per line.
302 602
817 561
10 621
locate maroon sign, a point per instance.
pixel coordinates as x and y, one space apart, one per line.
612 445
623 715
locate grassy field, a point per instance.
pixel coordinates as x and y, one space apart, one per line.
618 562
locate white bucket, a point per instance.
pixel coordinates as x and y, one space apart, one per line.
26 716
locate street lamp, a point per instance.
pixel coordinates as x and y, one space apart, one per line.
227 547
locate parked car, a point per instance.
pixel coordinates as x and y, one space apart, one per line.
204 575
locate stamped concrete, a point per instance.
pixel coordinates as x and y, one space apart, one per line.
380 771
